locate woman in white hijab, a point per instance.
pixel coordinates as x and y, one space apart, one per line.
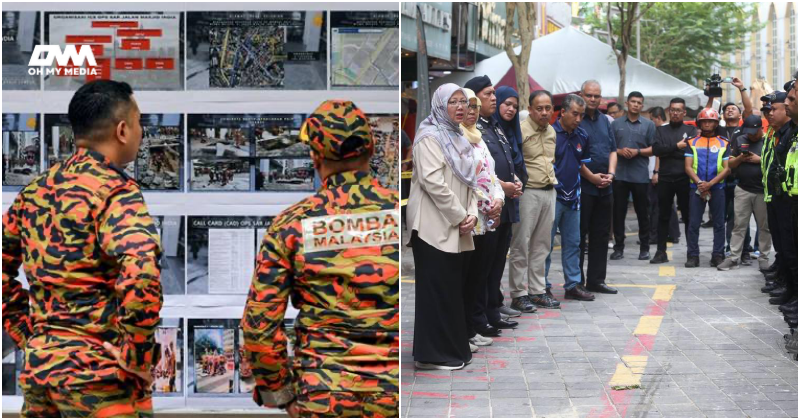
442 212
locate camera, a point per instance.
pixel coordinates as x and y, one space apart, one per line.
714 86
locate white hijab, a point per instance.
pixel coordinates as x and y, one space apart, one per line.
458 152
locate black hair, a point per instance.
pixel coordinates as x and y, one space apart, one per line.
536 93
677 101
635 94
724 107
658 112
610 104
97 105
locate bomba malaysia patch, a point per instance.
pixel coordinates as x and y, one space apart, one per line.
355 230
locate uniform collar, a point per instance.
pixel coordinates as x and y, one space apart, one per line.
536 126
83 152
587 116
348 177
638 120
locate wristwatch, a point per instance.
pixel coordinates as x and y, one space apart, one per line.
613 175
655 172
742 89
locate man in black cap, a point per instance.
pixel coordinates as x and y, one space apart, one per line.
779 206
748 194
503 154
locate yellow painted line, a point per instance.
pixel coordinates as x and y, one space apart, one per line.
625 378
406 175
407 281
648 325
403 202
669 255
635 363
670 244
664 292
666 271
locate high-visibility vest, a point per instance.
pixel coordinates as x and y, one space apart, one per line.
766 159
790 183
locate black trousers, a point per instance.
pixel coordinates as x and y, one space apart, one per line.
667 191
775 231
788 238
490 298
480 265
641 204
595 221
440 331
655 208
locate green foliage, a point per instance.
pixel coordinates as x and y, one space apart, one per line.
686 40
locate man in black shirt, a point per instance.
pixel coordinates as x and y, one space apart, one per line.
749 194
669 145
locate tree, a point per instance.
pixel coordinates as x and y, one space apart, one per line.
685 40
526 13
628 14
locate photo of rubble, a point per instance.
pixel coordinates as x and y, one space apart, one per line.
277 135
385 161
159 165
21 149
59 138
285 174
220 175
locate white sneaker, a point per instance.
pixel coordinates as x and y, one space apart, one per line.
480 340
473 348
610 244
433 366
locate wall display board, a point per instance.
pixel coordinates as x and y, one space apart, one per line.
223 90
256 50
21 149
364 49
143 49
20 35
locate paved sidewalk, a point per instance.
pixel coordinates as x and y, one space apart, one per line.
675 342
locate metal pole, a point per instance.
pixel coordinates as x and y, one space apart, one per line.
638 39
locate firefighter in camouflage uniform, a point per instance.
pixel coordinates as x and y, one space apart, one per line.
336 255
90 252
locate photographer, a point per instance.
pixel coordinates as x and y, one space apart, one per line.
749 194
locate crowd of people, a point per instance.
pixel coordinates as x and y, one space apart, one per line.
489 188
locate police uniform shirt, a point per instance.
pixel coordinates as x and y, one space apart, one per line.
500 148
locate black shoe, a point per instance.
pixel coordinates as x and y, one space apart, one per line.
716 260
578 293
544 301
790 307
504 325
601 288
771 276
778 291
488 331
523 305
692 262
644 255
769 287
772 268
707 224
549 293
673 241
780 300
661 257
616 255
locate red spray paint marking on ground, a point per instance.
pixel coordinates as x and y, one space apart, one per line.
500 364
430 375
548 314
503 339
430 394
526 338
462 397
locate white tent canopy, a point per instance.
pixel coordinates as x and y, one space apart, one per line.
563 60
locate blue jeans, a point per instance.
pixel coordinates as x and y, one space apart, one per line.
697 206
569 222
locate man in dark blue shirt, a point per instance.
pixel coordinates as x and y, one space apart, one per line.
572 154
596 178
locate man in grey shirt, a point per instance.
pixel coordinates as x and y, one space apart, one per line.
635 137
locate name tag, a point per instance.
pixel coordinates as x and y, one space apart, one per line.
345 231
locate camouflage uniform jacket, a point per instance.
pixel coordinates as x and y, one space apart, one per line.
336 254
90 252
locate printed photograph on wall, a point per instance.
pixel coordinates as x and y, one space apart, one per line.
20 36
173 248
364 49
168 373
257 50
144 49
212 366
385 161
21 149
